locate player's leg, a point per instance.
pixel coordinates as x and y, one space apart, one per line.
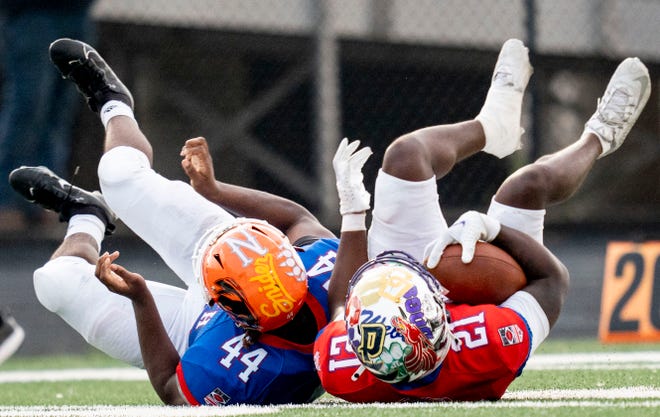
407 213
169 215
554 178
435 150
521 200
66 284
520 203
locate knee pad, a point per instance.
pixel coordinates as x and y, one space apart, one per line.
120 164
57 283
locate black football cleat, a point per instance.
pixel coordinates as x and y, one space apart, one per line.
42 186
94 78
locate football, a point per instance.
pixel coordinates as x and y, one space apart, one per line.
491 277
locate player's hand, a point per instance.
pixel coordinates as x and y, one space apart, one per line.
467 230
347 163
118 279
198 165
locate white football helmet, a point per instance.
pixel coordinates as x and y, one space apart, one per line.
396 318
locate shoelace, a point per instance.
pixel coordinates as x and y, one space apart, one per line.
69 185
87 77
617 108
98 78
503 77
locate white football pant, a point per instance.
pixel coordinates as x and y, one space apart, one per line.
169 216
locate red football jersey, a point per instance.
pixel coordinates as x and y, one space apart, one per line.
491 346
336 363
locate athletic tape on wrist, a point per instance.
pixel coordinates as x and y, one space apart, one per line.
353 222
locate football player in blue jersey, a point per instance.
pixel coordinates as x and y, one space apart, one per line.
243 329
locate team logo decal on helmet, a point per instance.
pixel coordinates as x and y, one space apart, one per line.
396 320
253 272
421 356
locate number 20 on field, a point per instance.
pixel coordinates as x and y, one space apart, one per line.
630 304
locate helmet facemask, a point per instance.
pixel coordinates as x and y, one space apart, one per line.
227 295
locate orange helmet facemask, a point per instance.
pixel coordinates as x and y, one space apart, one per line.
253 272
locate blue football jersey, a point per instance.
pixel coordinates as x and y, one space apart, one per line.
218 370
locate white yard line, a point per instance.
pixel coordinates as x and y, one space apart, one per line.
623 397
132 411
497 404
161 411
623 393
612 360
615 360
79 374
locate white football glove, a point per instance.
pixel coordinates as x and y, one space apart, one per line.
347 163
467 230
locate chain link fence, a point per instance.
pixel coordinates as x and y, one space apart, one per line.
274 85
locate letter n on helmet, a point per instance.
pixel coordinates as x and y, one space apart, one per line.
253 272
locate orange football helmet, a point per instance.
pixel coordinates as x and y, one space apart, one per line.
253 272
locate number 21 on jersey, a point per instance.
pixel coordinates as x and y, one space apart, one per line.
341 355
469 332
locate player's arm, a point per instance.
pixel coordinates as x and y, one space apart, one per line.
351 254
290 217
547 277
158 353
354 201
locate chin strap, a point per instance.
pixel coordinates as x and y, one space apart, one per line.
357 373
250 337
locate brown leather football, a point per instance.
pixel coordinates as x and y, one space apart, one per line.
491 277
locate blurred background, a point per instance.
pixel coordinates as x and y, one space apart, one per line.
275 84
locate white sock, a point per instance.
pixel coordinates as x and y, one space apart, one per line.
115 108
500 119
88 224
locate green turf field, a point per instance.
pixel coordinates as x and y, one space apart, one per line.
621 385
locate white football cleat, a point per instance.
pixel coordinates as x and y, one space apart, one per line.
11 336
624 99
501 113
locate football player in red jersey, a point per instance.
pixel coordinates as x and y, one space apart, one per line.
369 353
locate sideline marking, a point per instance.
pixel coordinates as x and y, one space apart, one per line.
628 308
